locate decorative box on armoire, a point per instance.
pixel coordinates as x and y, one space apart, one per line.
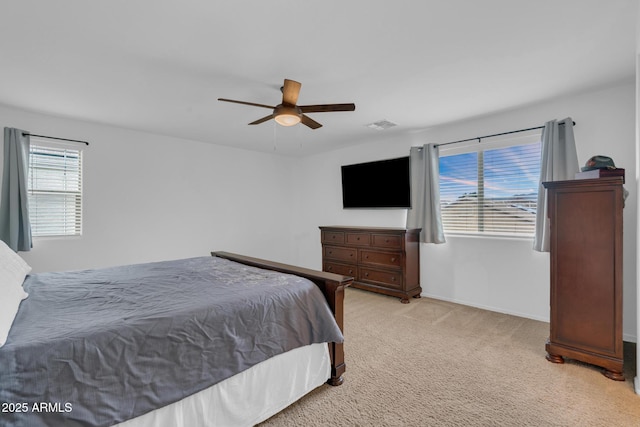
586 272
383 260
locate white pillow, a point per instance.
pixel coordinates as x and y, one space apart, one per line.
13 270
9 304
13 265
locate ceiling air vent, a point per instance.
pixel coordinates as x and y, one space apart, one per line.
381 125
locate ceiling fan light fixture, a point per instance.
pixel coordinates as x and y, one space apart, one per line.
287 119
287 115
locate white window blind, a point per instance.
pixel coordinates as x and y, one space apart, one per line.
491 187
55 188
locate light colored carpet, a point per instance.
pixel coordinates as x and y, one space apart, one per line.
434 363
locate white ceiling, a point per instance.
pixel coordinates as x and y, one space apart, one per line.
160 65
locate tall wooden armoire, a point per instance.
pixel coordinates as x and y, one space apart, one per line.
586 272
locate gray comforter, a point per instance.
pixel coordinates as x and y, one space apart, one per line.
97 347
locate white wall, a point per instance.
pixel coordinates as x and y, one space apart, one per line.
150 197
500 274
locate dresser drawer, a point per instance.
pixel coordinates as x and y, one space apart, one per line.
343 269
386 241
387 259
384 278
358 239
343 254
336 237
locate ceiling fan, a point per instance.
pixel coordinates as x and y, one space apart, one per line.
288 113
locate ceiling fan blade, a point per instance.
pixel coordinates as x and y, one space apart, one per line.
246 103
290 92
262 120
308 121
325 108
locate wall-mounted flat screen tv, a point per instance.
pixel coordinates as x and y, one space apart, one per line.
379 184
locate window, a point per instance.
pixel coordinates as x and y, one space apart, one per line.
55 189
491 187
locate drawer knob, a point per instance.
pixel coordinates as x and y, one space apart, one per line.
393 259
366 274
330 268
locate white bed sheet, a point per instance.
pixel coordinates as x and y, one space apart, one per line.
249 397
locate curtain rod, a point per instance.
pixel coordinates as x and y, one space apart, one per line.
54 137
479 138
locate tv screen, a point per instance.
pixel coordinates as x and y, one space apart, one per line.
379 184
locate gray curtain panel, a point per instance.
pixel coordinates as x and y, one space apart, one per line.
425 194
15 228
559 162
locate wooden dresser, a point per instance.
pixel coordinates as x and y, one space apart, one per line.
586 272
383 260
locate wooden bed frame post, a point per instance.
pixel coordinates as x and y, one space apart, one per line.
332 287
334 293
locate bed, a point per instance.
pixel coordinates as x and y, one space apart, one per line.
157 344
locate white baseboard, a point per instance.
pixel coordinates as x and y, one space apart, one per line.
484 307
625 337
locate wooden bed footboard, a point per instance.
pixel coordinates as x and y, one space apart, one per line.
332 287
